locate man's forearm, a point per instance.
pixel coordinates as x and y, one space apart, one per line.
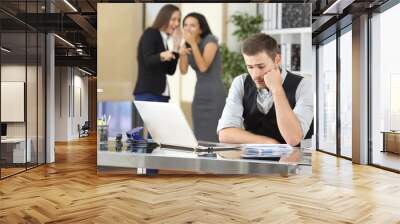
288 124
240 136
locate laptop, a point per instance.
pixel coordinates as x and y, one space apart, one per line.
167 125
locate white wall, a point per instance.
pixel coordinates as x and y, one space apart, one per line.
61 103
33 126
307 59
15 73
69 82
79 117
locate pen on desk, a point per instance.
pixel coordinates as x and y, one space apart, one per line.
108 120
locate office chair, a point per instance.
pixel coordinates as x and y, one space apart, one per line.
84 130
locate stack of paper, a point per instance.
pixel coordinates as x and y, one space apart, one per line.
267 149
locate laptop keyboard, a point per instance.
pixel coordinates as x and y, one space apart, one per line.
208 144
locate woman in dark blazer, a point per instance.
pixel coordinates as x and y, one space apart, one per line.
155 60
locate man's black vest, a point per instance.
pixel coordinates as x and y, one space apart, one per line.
266 124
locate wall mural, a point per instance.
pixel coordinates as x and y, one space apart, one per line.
296 15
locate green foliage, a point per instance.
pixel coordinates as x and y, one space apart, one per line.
232 65
232 61
247 25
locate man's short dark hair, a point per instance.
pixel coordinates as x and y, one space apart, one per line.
258 43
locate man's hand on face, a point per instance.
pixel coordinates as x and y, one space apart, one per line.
273 79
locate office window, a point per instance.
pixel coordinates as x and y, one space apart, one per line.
385 89
327 96
22 92
14 149
346 94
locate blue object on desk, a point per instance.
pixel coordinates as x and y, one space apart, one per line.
134 134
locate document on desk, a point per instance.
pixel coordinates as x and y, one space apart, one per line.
266 149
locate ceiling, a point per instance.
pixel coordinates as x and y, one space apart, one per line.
76 22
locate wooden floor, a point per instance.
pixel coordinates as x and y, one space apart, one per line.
70 191
5 172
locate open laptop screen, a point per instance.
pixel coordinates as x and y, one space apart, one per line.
166 124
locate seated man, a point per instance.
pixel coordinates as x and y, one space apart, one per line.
271 104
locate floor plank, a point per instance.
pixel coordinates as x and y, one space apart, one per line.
70 191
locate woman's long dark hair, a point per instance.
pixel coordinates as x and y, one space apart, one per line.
205 29
163 16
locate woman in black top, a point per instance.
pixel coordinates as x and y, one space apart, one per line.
155 60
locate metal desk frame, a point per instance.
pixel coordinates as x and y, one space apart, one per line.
171 159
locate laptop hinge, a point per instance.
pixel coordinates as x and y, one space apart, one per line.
177 147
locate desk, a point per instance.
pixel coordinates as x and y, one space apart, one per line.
391 141
13 150
228 162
